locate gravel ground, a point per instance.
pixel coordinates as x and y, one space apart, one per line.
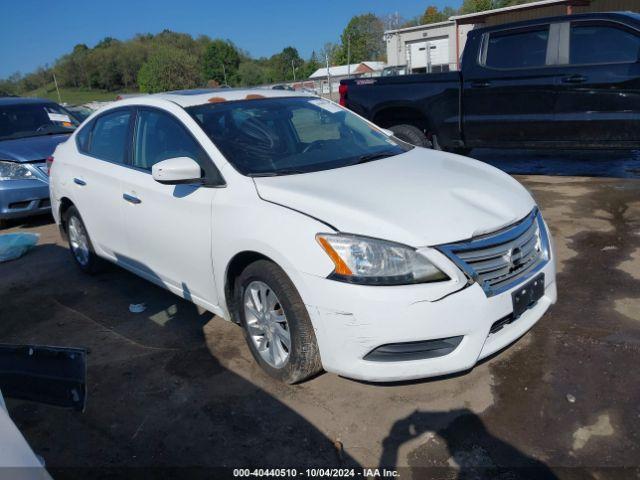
177 387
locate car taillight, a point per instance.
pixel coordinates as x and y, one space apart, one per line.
49 164
342 90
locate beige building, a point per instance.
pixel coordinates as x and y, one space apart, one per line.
437 47
426 48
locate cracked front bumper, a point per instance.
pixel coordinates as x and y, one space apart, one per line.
352 320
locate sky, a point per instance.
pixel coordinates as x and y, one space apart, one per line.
36 32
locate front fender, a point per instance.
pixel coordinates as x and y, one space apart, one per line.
285 236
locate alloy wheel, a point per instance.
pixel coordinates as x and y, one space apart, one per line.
79 240
267 324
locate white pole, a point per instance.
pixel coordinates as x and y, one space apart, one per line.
294 70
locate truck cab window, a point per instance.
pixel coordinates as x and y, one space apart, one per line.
599 43
517 49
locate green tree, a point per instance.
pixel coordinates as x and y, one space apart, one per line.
449 12
472 6
251 73
432 15
169 68
363 38
310 65
129 62
221 58
283 63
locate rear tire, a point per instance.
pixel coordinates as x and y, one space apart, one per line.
271 311
461 151
457 150
411 134
80 244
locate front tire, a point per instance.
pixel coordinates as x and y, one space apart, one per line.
276 323
80 244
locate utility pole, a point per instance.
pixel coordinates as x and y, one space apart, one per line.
293 68
326 56
348 56
57 89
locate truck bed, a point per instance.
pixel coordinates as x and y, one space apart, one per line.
389 101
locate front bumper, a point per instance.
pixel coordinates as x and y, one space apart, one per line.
23 198
352 320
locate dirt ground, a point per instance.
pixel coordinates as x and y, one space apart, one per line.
174 387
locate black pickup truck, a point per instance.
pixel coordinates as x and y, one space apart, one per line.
560 82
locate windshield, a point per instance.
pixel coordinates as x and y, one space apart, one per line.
280 136
34 119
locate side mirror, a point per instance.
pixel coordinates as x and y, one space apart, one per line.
387 132
176 171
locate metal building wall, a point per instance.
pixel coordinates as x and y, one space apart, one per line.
550 11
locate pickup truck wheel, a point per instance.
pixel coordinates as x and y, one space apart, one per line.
79 242
276 323
410 134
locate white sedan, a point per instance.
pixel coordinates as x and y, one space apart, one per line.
333 244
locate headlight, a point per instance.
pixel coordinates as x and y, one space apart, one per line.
14 171
370 261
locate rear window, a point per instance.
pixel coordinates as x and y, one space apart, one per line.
517 49
602 43
34 120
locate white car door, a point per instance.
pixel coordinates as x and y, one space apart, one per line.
96 174
169 227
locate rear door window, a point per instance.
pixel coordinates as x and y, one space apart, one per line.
517 48
593 43
110 136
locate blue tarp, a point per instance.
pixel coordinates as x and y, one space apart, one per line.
14 245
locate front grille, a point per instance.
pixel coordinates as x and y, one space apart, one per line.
500 260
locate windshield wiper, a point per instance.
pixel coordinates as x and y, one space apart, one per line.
375 156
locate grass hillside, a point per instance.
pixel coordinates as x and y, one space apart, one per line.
72 96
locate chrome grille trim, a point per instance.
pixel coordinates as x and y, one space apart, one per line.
500 260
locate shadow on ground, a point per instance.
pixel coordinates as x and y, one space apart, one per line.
160 402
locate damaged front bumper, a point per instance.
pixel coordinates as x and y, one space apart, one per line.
449 334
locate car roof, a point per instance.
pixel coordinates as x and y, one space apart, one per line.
189 98
633 17
22 101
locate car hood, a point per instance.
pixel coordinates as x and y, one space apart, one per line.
29 149
419 198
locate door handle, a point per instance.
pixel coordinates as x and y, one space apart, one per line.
79 181
131 198
480 84
574 79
